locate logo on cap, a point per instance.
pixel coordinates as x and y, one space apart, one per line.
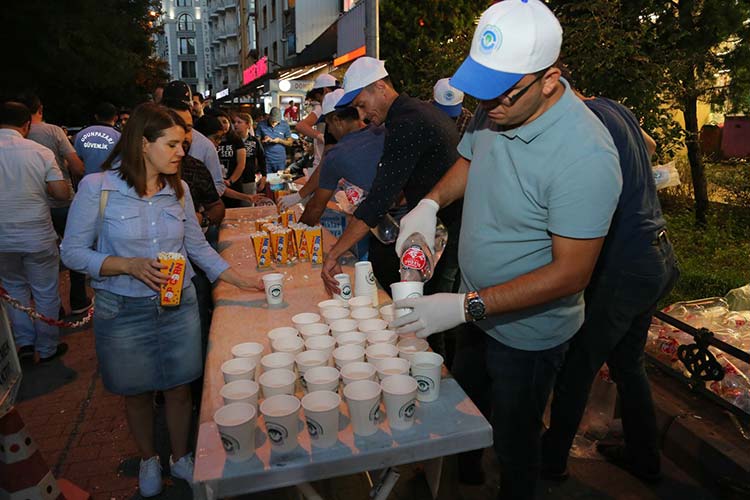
491 39
449 95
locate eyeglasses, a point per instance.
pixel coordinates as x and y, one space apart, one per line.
510 100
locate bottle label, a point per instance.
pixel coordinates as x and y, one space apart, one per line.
414 258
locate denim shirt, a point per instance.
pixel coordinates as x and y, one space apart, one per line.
132 227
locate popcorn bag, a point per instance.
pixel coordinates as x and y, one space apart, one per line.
171 291
287 218
262 247
300 242
280 246
314 237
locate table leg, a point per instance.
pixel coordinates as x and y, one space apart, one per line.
433 470
385 484
203 491
308 492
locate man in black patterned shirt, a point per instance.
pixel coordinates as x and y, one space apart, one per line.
208 205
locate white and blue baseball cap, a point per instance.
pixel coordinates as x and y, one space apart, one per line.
361 73
447 98
329 103
514 38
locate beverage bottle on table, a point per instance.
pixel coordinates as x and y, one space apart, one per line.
417 260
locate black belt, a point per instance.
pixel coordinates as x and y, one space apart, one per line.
661 237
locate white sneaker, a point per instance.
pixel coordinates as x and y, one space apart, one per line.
149 477
183 468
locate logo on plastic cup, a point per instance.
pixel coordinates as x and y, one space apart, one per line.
230 444
346 292
375 413
413 295
275 291
314 428
406 412
424 384
370 278
276 433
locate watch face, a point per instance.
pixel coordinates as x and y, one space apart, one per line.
476 309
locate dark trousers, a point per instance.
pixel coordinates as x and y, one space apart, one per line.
510 387
78 298
619 306
203 290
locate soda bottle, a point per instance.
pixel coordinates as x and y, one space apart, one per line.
417 260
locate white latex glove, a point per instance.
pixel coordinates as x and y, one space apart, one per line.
430 314
288 201
421 219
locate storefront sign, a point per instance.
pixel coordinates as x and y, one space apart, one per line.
350 56
255 71
222 93
294 85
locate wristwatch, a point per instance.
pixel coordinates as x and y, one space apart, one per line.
474 308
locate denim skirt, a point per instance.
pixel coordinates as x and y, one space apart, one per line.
143 347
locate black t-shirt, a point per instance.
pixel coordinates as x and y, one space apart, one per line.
255 155
228 153
199 180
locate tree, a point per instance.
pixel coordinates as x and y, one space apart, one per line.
77 53
654 55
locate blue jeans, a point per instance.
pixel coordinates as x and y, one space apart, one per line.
511 388
619 306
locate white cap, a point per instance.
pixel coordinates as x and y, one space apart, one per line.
447 97
514 38
360 74
324 81
329 103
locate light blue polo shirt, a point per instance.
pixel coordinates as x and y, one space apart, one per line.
558 174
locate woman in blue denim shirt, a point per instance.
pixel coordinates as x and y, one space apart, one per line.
143 347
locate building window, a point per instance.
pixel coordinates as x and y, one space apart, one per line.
275 52
273 10
187 69
184 3
185 23
265 16
187 46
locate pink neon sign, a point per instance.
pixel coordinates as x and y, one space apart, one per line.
255 71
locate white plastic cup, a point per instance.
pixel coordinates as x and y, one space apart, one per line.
406 290
344 355
323 343
388 313
382 337
352 338
274 286
378 352
426 368
363 398
322 417
293 345
342 326
392 366
358 370
325 304
277 361
362 313
282 331
281 413
322 378
274 382
309 359
238 369
345 286
400 397
364 281
331 314
314 329
360 301
305 319
236 423
407 348
251 350
371 325
240 391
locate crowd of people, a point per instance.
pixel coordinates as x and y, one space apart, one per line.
556 257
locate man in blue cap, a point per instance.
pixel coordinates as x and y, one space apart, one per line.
540 179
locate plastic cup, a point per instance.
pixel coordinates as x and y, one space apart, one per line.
309 359
331 314
274 286
314 329
250 350
400 397
331 303
352 338
345 286
277 361
305 319
282 331
238 369
294 345
322 417
323 343
377 352
281 413
363 398
360 301
322 378
406 290
362 313
371 325
275 382
343 325
407 348
382 337
346 354
392 366
426 368
388 313
240 391
364 281
358 370
236 423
